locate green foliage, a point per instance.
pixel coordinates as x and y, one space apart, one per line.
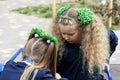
114 28
44 11
116 19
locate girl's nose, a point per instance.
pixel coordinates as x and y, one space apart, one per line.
66 37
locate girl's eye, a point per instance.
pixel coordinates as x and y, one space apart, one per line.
71 34
63 33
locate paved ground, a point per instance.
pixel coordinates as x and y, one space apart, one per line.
14 29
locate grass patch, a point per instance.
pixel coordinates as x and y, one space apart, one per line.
45 11
114 28
42 11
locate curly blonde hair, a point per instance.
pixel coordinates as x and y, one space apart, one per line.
94 38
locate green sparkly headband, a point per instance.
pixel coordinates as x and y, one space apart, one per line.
62 9
44 35
85 15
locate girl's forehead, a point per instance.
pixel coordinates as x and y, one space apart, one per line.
67 28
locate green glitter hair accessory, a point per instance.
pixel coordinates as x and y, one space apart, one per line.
62 9
44 35
85 15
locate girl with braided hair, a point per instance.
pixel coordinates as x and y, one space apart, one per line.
39 59
83 44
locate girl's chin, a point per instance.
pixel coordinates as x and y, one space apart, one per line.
71 42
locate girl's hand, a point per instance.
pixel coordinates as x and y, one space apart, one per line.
58 76
106 65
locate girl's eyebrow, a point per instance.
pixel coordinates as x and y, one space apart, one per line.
67 32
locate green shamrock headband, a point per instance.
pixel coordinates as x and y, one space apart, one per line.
85 15
44 35
62 9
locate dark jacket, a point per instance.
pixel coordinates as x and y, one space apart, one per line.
113 41
70 64
13 71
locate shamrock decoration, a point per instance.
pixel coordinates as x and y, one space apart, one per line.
62 9
85 16
44 35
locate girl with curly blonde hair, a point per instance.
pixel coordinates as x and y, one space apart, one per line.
83 44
